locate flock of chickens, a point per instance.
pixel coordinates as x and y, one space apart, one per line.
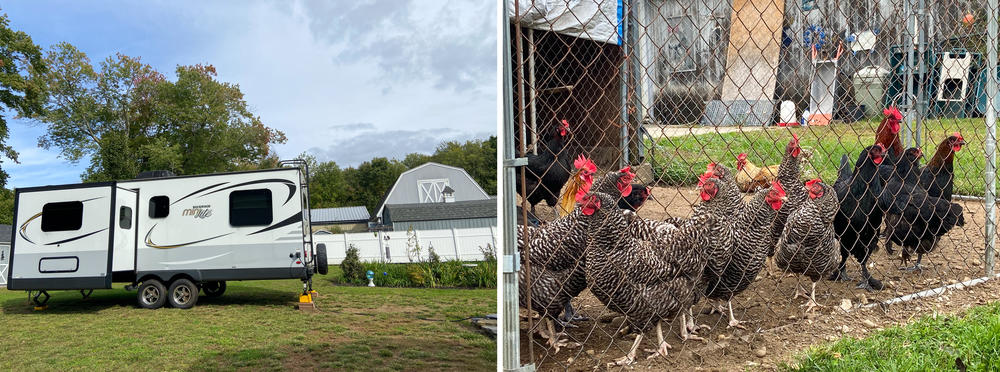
654 271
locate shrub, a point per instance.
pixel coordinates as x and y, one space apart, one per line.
351 266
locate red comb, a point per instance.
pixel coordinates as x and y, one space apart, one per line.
777 186
704 177
813 181
583 163
959 135
565 123
742 156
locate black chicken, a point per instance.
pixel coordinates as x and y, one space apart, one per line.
915 219
636 198
859 217
548 171
938 177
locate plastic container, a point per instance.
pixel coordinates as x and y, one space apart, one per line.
869 87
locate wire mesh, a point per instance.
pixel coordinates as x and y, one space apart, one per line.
669 87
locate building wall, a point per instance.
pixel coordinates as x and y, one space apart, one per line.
394 246
405 189
343 227
4 258
445 224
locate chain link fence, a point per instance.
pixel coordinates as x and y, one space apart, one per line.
668 87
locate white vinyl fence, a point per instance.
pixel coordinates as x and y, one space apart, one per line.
398 246
4 258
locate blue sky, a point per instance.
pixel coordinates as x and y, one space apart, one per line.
345 80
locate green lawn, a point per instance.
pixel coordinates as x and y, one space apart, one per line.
253 326
679 160
929 344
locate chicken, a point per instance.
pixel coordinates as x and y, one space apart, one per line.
636 198
789 176
750 177
938 176
808 245
547 171
567 200
859 215
650 281
555 252
915 219
887 133
752 241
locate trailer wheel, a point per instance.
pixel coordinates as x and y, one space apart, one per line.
214 289
322 266
183 294
152 294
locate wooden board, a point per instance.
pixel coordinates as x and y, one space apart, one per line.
753 51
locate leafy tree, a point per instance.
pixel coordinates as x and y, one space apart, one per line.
371 180
6 206
477 157
19 57
128 118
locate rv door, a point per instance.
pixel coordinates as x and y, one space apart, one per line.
125 230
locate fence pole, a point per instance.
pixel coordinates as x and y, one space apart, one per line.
510 339
623 39
991 132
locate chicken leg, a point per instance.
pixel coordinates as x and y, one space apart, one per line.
685 334
811 303
664 346
569 315
691 326
732 319
554 341
630 357
867 282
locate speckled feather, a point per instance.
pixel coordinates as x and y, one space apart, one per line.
557 263
808 245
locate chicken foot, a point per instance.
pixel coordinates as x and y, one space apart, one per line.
630 357
867 281
811 302
732 319
569 315
664 346
689 324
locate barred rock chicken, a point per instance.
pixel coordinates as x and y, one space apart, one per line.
752 242
547 171
750 177
938 176
918 220
789 176
808 245
650 281
859 217
557 267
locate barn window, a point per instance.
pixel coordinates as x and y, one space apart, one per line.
430 191
159 206
125 217
250 208
63 216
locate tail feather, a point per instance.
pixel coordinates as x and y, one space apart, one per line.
844 172
567 202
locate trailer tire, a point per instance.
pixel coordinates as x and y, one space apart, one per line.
152 294
214 289
322 266
183 294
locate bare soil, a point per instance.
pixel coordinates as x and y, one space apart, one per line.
777 326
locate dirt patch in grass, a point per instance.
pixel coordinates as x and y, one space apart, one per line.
774 320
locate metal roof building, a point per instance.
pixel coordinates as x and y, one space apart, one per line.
343 219
438 216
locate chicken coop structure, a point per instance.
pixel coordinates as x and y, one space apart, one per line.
681 98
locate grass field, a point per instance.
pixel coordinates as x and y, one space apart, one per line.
929 344
679 160
253 326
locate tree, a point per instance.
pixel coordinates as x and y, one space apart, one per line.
129 118
478 157
371 180
19 58
6 206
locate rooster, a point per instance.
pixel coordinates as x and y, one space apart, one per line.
887 133
938 176
547 171
557 268
859 216
650 281
808 245
750 177
585 169
915 219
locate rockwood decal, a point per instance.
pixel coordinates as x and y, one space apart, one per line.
198 211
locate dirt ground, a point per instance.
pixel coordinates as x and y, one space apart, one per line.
777 327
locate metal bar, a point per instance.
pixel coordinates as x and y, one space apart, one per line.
510 339
531 91
908 103
921 27
624 85
523 152
991 132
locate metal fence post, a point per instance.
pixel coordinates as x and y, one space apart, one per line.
510 337
991 135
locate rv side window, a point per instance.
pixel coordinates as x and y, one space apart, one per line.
250 208
125 217
64 216
159 206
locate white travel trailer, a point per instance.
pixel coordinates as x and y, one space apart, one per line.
167 236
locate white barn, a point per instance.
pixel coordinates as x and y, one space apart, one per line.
432 183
